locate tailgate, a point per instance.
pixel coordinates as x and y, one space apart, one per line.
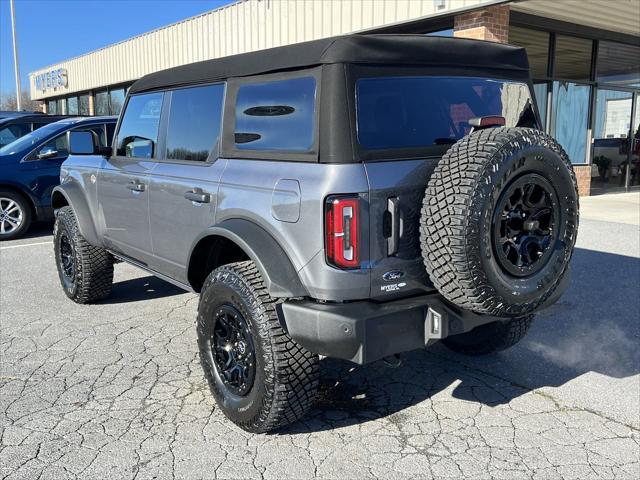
396 191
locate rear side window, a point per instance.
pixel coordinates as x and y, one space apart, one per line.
195 116
138 133
405 112
277 115
12 132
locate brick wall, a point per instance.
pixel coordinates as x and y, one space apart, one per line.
583 177
490 23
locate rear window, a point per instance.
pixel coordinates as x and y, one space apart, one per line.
278 115
12 132
406 112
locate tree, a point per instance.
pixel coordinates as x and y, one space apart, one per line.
8 101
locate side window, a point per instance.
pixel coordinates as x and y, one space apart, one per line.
55 148
98 130
13 132
195 117
138 133
278 115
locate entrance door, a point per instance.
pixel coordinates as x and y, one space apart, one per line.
123 190
614 164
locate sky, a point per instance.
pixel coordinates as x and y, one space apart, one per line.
50 31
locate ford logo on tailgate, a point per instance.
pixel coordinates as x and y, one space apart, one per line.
392 275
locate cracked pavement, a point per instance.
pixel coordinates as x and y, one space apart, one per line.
115 390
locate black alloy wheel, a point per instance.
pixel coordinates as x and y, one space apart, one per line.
67 257
233 350
524 225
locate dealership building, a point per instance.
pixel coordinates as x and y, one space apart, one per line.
584 57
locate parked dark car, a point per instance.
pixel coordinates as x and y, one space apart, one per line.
30 168
14 114
14 125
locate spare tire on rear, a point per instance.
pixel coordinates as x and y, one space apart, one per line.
499 221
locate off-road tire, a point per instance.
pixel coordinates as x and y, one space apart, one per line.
490 338
25 209
286 374
92 276
457 220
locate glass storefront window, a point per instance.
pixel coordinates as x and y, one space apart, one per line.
52 107
618 63
536 43
569 118
116 101
540 89
101 103
83 105
573 58
72 105
62 110
611 140
442 33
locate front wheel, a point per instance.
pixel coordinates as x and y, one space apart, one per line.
261 379
85 271
490 338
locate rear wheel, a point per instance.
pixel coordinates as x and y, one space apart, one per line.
499 221
15 214
261 379
85 271
490 338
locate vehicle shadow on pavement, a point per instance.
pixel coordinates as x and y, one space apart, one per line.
140 289
38 230
594 328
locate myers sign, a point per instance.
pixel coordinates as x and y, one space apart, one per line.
53 79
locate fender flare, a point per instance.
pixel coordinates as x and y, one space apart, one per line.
75 198
279 275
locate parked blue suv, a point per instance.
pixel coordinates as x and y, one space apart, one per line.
30 168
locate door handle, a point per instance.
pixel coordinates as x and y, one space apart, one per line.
393 211
198 196
136 186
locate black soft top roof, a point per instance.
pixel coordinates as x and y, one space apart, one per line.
402 50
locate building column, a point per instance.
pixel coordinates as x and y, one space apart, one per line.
490 23
91 108
583 178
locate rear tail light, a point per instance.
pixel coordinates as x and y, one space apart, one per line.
342 235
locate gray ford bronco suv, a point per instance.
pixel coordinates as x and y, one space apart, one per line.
352 197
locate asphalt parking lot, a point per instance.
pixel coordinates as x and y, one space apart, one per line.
115 390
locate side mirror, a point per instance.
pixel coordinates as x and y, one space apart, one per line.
82 143
47 152
140 148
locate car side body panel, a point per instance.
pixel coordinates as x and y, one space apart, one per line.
261 192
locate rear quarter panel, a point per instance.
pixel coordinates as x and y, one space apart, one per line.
251 190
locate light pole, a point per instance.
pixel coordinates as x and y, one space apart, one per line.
15 57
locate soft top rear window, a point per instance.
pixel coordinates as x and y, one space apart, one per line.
417 111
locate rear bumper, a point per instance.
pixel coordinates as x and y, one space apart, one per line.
366 331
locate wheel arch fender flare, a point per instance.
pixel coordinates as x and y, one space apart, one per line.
278 273
71 193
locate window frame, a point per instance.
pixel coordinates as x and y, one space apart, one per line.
214 153
229 149
159 140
